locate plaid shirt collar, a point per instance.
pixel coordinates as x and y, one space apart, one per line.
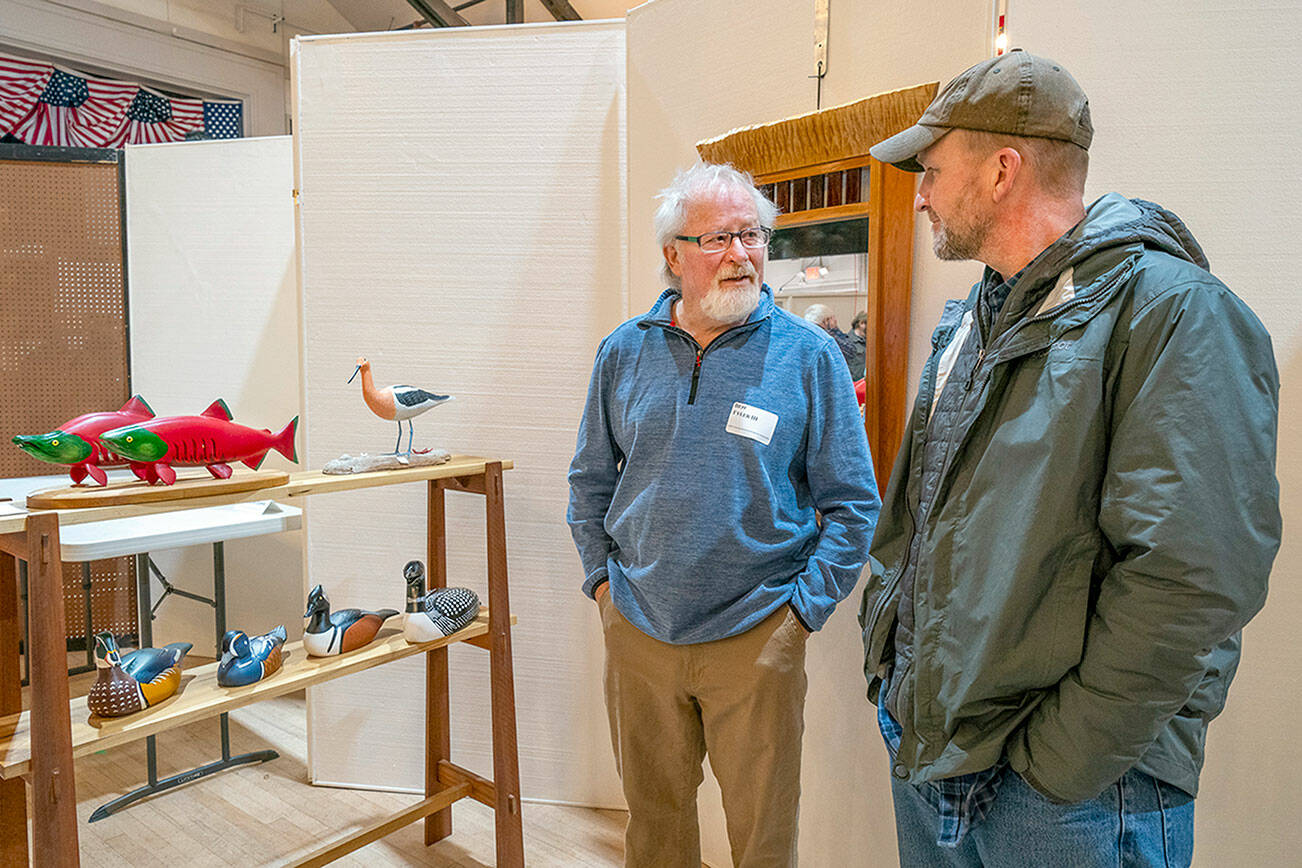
961 801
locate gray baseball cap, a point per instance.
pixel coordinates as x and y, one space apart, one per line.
1017 93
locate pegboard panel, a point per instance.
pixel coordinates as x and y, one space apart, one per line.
112 600
63 340
63 343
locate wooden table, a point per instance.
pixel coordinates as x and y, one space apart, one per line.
40 746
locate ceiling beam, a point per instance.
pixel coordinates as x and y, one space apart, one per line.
561 10
438 13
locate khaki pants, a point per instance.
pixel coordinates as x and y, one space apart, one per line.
741 700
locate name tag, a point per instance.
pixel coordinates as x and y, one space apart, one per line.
752 422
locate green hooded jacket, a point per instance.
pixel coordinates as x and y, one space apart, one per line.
1101 523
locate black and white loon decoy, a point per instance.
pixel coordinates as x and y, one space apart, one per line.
441 612
396 403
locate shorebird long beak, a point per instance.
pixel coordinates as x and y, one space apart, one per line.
358 368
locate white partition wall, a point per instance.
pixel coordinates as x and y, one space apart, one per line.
212 297
462 225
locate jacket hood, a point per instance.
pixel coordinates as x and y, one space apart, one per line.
1113 229
1114 221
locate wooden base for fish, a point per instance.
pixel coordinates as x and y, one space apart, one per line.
121 493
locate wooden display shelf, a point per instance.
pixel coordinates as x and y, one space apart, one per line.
200 697
38 748
301 484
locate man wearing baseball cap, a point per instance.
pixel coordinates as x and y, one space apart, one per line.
1084 511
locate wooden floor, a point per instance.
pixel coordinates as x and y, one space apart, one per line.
268 814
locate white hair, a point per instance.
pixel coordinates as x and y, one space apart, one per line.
696 183
818 314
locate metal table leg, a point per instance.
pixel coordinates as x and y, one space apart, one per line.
154 785
27 634
90 636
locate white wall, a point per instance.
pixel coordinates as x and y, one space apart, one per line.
462 224
213 306
1195 107
680 92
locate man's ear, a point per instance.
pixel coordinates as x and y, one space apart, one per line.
1006 165
671 258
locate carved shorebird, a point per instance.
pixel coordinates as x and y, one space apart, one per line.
395 403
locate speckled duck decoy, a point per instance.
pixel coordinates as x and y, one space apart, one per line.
132 683
248 660
348 629
441 612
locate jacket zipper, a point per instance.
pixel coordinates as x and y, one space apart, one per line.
700 351
696 376
971 375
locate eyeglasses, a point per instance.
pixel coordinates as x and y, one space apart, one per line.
713 242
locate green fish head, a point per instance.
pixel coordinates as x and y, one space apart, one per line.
57 447
135 443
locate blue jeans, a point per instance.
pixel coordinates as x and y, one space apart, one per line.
1137 822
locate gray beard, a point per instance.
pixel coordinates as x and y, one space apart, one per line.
953 244
730 306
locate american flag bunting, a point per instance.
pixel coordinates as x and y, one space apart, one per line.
44 104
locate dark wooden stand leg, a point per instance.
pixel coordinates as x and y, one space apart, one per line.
13 793
506 764
438 731
54 796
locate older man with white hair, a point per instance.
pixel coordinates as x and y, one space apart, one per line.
717 428
825 318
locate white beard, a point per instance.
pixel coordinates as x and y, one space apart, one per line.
731 305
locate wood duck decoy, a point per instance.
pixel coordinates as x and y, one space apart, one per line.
135 682
441 612
395 403
248 660
329 634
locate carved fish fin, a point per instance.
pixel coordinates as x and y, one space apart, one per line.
96 473
137 406
284 443
218 410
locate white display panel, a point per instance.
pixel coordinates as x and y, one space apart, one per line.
462 225
212 297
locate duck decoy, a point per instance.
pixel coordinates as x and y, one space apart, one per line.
131 683
348 629
441 612
248 660
395 403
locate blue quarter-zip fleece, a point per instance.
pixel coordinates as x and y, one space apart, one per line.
703 533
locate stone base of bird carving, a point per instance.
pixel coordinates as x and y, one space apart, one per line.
365 463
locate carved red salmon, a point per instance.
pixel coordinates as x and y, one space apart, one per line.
76 442
209 440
